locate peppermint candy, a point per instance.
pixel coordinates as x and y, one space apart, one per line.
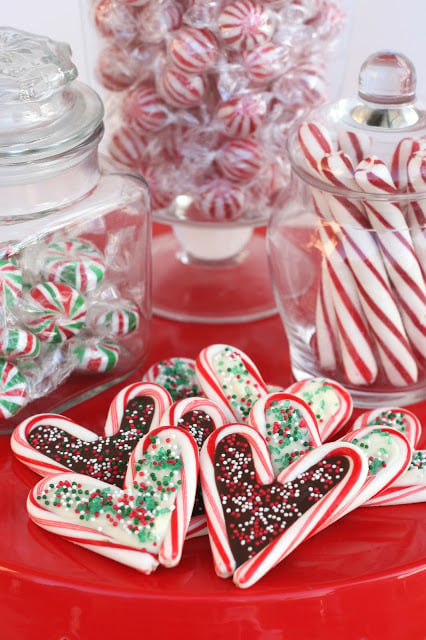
13 390
75 262
59 312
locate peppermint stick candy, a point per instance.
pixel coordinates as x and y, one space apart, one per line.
355 343
352 329
397 249
416 215
364 257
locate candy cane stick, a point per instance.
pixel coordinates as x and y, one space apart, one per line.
371 278
397 249
325 322
352 330
356 145
416 215
358 358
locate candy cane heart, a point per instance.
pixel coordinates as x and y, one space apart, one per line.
255 521
140 525
49 443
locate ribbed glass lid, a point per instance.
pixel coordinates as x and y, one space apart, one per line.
44 111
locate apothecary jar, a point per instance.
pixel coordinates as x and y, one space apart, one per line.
75 293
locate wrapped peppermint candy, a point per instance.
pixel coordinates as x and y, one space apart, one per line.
218 69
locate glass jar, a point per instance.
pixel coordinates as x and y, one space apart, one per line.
75 290
199 98
347 250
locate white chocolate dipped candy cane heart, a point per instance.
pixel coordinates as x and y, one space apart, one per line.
288 425
400 419
142 525
177 375
329 401
409 488
230 378
397 249
200 416
388 454
51 443
255 521
364 257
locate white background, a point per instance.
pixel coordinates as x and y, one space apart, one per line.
372 25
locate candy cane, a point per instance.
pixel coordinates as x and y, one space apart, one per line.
376 296
416 214
397 249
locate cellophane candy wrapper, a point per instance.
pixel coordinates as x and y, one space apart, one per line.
200 95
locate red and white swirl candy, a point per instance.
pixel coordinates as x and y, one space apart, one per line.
145 523
76 262
221 201
194 50
14 392
126 148
181 89
241 159
58 310
145 110
266 63
245 24
243 115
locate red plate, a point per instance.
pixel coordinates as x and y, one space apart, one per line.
362 578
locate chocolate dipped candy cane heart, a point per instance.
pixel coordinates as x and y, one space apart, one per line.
50 443
255 521
141 525
199 416
229 377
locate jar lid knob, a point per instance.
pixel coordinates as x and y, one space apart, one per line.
387 77
32 66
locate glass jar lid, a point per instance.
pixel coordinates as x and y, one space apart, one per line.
385 123
44 110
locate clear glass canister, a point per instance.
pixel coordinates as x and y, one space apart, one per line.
347 250
75 292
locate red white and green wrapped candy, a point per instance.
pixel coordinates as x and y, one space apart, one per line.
13 390
120 320
76 262
177 375
142 525
18 343
59 312
10 282
330 402
97 357
288 425
229 377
